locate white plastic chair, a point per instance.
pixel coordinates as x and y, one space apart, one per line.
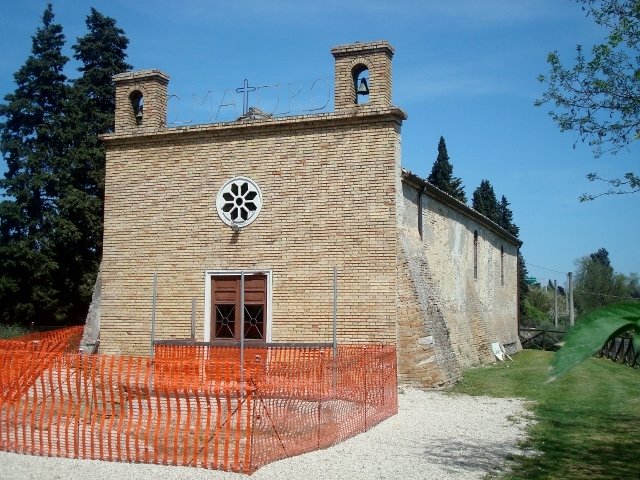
499 351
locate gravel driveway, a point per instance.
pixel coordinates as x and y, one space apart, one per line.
434 435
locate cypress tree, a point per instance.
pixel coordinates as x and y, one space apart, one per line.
90 112
484 201
523 286
33 148
51 219
442 174
505 217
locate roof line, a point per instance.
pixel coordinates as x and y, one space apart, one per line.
459 206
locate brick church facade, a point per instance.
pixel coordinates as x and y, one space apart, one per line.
285 201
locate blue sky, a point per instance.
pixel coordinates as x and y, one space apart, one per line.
463 69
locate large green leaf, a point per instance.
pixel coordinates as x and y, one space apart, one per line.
591 332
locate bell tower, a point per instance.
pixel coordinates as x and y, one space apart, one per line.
362 75
141 101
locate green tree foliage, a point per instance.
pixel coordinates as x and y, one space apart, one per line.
90 112
484 201
602 257
505 217
523 287
559 288
597 285
599 97
31 144
538 307
51 218
442 174
598 293
592 331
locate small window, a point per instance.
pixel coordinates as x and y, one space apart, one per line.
475 254
361 84
502 265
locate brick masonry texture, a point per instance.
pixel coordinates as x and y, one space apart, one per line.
334 195
454 315
326 202
152 84
376 56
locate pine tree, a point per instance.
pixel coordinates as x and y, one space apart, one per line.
442 174
523 286
33 148
90 112
602 257
505 217
484 201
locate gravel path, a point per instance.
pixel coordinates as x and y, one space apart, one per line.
434 435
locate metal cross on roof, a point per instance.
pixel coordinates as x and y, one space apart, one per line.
245 92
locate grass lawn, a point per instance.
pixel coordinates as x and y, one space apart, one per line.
588 422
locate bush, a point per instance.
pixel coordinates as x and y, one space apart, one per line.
539 310
533 317
11 331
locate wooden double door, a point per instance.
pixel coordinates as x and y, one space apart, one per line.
227 307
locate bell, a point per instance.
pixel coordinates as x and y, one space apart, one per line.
363 88
139 115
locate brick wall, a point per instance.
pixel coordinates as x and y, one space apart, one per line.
425 354
333 196
152 86
329 189
474 311
376 57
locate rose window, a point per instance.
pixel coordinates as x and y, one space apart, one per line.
239 202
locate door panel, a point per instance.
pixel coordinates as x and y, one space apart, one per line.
226 305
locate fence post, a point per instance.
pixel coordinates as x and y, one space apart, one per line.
193 319
366 398
555 300
571 313
76 440
335 336
322 367
254 415
153 312
382 360
242 332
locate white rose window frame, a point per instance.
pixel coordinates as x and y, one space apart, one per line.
239 202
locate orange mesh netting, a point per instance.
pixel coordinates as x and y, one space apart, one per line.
23 359
193 405
61 340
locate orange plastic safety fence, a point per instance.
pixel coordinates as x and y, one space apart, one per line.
61 340
337 401
193 405
23 359
303 399
106 408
